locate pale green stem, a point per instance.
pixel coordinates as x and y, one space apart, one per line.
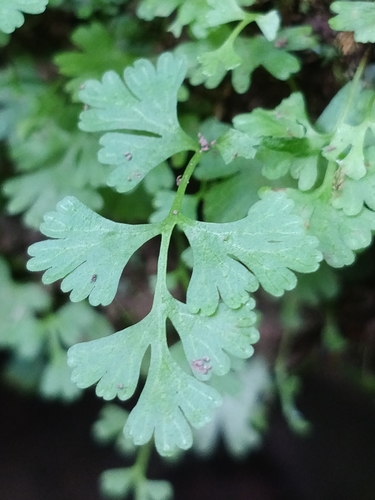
353 87
326 186
176 206
237 30
169 224
53 340
281 371
140 467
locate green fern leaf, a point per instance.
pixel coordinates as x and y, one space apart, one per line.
168 389
233 419
351 195
98 52
11 12
355 16
339 235
189 12
145 108
67 166
231 259
122 482
88 250
89 253
21 304
210 59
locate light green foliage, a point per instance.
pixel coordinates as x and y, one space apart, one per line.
35 336
163 201
358 17
60 334
145 102
210 59
11 12
339 235
190 12
220 51
288 142
242 392
99 52
90 252
167 388
59 171
51 157
339 210
266 242
20 88
20 305
203 15
247 206
109 428
231 199
120 483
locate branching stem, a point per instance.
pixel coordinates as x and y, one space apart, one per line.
168 225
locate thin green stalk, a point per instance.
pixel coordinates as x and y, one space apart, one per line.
176 206
142 460
326 186
240 26
140 468
287 385
169 223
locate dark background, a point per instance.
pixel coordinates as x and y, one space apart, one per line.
47 453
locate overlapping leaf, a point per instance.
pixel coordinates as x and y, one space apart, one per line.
109 428
20 306
88 251
233 419
143 105
291 144
351 195
231 259
99 52
70 324
35 336
230 199
339 234
11 12
67 165
358 17
202 15
122 482
210 59
20 88
162 203
228 331
189 12
288 142
228 152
